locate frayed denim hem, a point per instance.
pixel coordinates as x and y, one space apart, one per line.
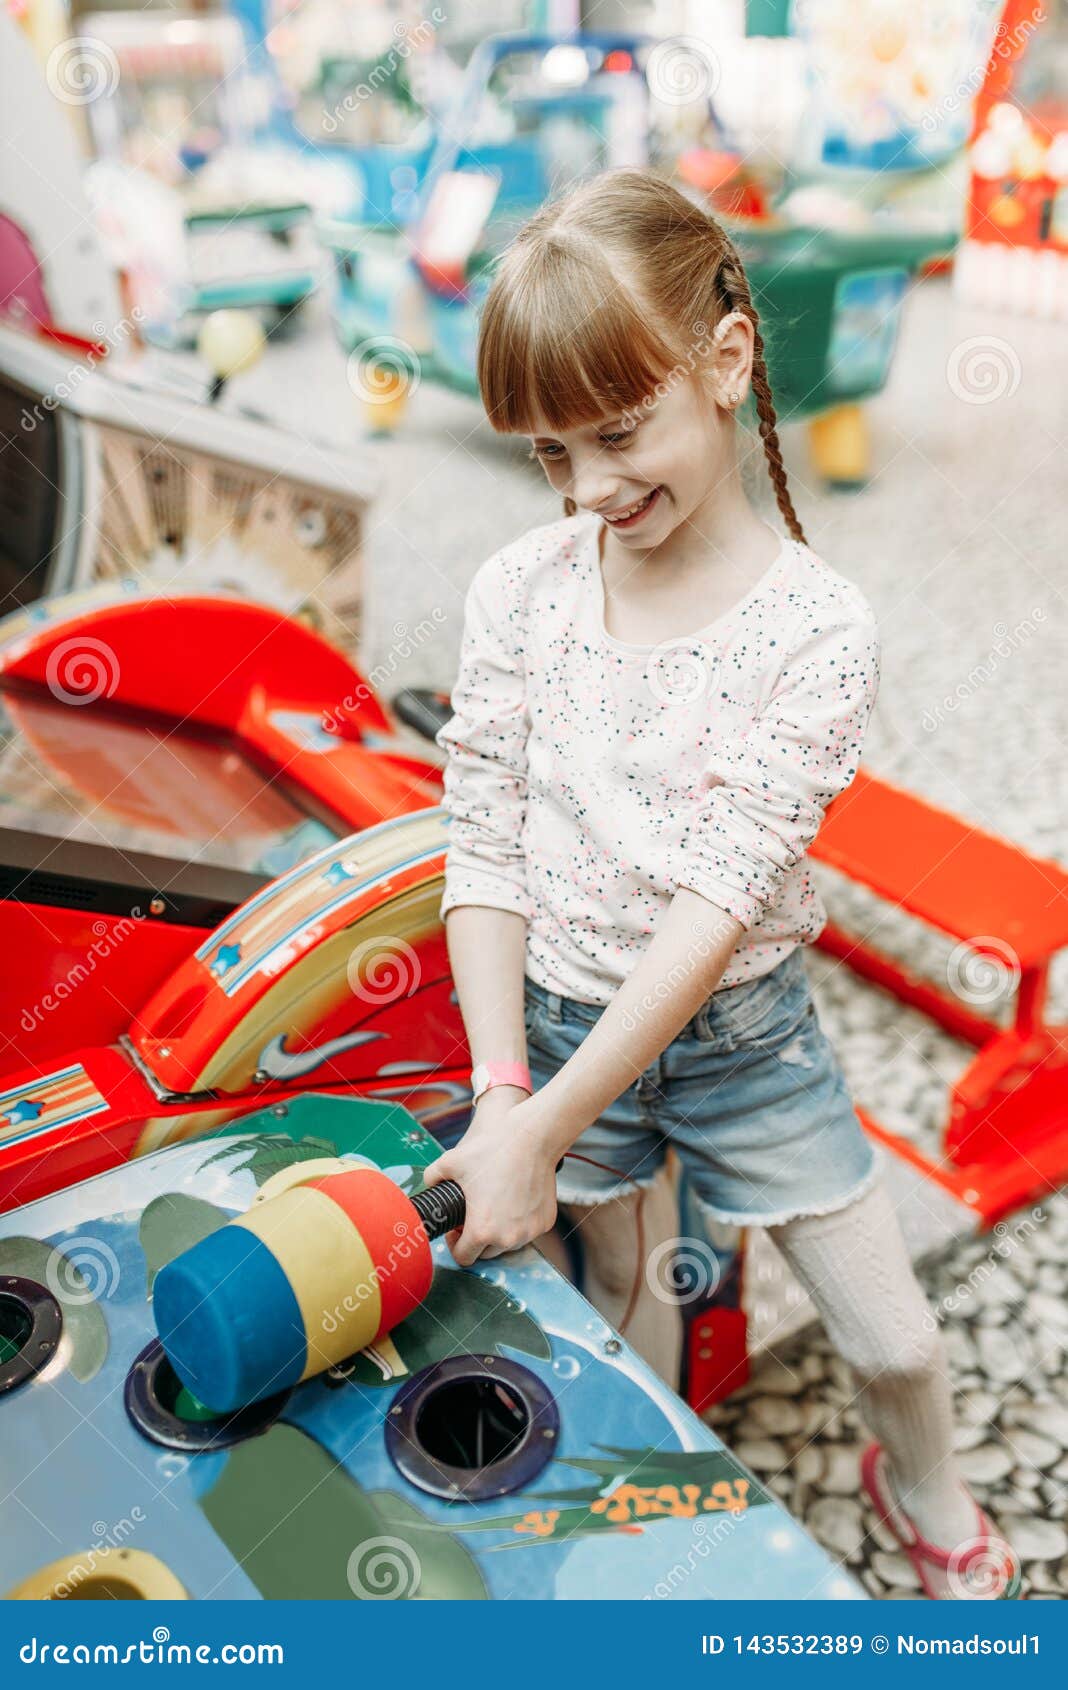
571 1197
733 1217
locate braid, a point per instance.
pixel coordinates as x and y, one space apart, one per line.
735 288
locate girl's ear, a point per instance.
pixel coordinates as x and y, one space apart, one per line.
733 366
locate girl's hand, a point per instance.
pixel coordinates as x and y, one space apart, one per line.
507 1172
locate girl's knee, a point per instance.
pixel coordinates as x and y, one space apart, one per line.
910 1350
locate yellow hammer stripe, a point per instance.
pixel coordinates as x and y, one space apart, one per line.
329 1268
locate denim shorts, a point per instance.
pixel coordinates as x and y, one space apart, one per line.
750 1094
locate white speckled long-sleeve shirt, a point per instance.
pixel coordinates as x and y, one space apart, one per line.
588 779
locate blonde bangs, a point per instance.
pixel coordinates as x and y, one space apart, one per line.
564 342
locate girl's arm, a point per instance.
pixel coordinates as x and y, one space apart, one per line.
506 1161
485 783
487 955
486 905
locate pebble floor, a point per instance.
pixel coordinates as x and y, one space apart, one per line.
958 541
1005 1320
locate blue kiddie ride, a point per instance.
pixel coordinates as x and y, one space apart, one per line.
534 116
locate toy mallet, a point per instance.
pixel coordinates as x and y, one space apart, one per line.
306 1278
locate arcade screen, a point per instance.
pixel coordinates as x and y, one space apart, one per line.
85 772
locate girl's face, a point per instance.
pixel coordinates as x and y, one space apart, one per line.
647 471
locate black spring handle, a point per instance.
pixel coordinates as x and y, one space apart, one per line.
441 1208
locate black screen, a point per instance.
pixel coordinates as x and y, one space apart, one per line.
29 493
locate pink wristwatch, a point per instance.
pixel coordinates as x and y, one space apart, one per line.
489 1074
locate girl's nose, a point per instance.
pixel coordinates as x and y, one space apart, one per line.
593 489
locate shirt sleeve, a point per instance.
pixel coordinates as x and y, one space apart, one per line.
769 788
485 777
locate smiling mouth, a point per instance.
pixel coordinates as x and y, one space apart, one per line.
631 515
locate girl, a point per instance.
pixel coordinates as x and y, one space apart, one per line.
658 696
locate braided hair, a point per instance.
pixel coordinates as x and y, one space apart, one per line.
734 284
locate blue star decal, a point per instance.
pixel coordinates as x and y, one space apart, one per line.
226 957
21 1111
336 873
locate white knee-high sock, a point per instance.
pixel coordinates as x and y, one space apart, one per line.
855 1266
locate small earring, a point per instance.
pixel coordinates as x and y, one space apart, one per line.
733 398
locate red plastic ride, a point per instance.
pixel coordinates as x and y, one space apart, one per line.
221 867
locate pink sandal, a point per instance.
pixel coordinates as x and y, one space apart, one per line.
984 1567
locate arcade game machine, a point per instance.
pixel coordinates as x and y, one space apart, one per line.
877 188
491 1411
109 475
145 798
533 115
351 89
860 192
114 465
111 467
179 114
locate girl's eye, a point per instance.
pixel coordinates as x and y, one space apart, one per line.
620 439
554 451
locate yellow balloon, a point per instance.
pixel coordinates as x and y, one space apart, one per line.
230 341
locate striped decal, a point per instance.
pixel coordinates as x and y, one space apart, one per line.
53 1100
329 1269
269 932
309 870
270 956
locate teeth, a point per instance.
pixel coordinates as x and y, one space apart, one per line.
621 516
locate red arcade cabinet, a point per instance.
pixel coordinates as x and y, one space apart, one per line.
220 867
